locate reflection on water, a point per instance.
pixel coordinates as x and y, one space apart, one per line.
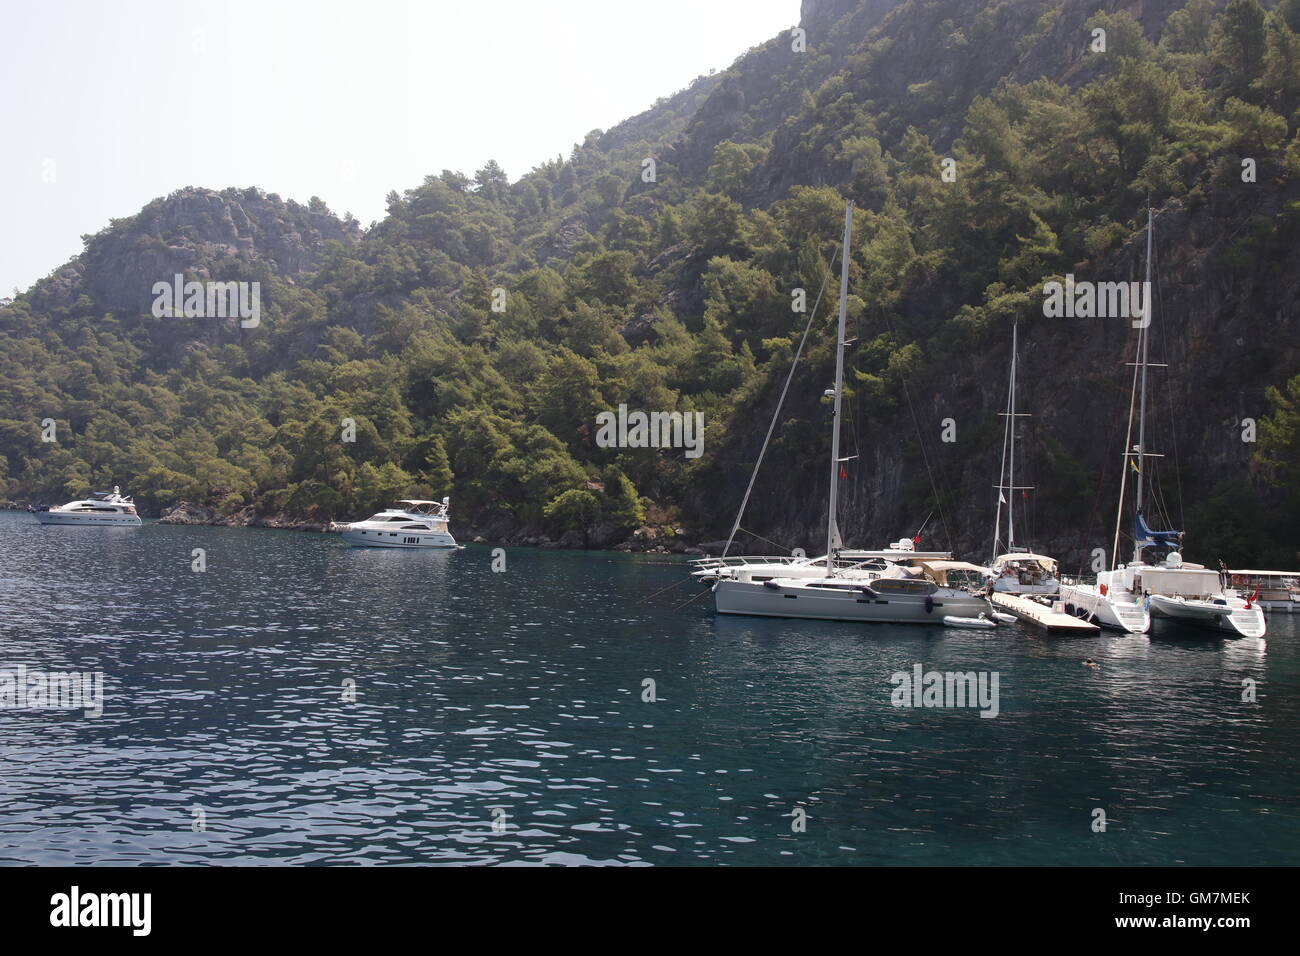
524 692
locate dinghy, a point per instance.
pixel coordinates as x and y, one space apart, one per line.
980 623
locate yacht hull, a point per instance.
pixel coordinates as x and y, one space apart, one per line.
742 597
1227 619
365 538
87 521
1087 602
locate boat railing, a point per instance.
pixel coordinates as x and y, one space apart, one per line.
740 561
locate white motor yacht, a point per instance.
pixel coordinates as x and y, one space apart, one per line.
410 523
102 508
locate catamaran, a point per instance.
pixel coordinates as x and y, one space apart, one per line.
1125 597
102 509
895 585
411 523
1016 570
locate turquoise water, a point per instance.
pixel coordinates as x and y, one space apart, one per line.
522 692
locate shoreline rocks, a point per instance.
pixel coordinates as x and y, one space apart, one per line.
644 540
187 513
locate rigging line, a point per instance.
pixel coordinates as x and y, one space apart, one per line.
1158 495
1101 482
921 441
926 458
1128 450
691 600
1002 478
853 433
767 540
779 403
1169 393
662 590
1096 500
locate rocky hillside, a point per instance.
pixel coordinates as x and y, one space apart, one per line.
472 336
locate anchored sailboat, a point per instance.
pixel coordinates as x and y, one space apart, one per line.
895 585
1016 570
1125 597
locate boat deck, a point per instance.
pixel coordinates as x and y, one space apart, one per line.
1053 622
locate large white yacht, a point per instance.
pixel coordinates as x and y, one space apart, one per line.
410 523
102 508
848 563
890 586
880 586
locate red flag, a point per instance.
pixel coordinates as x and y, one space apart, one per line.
916 540
843 473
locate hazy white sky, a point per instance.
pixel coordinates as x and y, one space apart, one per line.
106 105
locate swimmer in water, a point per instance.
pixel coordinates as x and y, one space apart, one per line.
1090 663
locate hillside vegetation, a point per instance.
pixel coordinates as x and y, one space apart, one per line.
676 294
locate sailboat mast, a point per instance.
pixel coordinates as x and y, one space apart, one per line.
1011 467
1142 394
832 525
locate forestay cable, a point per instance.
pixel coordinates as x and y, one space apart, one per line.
780 402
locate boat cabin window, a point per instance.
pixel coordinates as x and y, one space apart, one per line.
902 586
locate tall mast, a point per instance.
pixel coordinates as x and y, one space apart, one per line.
1006 485
833 542
1141 447
1011 470
1002 479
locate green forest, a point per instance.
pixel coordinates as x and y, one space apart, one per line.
672 286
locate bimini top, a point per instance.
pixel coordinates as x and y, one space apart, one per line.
955 566
1042 559
895 554
939 570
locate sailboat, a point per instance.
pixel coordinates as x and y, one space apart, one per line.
1126 597
896 585
1016 570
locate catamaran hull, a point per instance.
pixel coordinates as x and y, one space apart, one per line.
739 597
88 520
1087 602
1236 621
398 539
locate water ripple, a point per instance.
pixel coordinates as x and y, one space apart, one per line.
314 704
